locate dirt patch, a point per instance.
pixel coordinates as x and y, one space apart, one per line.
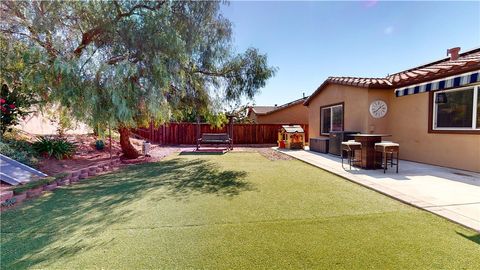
267 152
162 151
272 154
87 155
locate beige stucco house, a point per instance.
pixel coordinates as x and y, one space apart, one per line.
290 113
432 111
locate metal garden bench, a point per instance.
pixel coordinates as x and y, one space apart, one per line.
215 139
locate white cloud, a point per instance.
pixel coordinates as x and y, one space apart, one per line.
388 30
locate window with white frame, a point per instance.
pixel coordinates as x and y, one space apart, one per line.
457 109
331 119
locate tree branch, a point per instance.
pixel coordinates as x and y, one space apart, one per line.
87 38
215 73
115 59
8 31
121 14
92 34
34 37
88 60
223 73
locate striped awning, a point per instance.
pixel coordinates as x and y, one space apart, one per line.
450 82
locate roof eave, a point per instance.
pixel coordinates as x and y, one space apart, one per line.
426 65
439 75
286 105
359 85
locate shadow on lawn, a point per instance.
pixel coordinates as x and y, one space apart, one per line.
475 238
56 225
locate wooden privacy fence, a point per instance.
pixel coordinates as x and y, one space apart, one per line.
185 133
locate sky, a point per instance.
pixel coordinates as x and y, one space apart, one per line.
309 41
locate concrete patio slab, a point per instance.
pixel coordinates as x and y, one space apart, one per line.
450 193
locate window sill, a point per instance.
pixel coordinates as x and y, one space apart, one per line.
454 131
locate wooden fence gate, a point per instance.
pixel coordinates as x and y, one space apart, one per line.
185 133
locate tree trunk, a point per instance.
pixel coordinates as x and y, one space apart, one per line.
128 150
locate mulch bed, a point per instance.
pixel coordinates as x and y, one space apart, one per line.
86 155
272 154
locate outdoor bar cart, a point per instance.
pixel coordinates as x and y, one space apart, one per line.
336 138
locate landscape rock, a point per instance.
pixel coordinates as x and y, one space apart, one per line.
50 187
63 182
20 197
34 192
92 172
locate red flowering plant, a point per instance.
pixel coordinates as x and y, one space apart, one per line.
11 108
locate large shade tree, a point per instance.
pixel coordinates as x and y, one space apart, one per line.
126 63
18 64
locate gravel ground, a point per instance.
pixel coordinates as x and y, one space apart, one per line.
264 151
158 152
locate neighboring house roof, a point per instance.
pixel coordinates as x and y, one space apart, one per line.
467 61
263 110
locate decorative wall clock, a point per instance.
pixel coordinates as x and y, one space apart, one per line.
378 109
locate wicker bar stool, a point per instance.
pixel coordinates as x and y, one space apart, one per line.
387 149
350 147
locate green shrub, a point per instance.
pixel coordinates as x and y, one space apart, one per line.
9 202
19 150
34 184
57 148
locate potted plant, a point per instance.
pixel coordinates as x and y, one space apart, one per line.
99 145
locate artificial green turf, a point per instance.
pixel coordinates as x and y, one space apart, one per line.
238 210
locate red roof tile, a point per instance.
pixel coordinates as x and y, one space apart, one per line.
352 81
356 81
467 61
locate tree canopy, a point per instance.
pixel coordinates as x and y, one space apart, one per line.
126 63
20 77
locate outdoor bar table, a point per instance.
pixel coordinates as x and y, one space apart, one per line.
368 142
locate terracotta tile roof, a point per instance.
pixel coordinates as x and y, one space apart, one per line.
362 82
262 110
467 61
352 81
